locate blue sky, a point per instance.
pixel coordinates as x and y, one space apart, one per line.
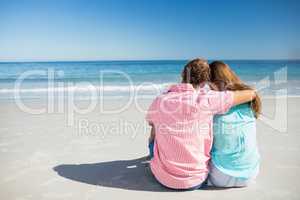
140 29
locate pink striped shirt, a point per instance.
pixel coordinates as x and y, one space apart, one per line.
182 118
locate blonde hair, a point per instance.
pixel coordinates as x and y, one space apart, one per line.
225 79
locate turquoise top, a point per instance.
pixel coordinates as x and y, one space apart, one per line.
234 149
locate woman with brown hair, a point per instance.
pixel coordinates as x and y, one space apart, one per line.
234 156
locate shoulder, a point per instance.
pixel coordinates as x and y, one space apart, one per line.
243 112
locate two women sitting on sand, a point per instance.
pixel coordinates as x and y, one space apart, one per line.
204 130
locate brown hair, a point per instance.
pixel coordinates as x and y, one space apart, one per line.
225 79
195 72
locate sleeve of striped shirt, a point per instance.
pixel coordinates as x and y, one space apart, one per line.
152 113
221 102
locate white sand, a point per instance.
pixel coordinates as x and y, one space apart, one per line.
43 158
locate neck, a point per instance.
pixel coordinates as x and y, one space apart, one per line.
199 85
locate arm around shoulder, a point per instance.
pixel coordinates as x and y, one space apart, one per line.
243 96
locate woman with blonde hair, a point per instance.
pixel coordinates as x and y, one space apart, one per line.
234 156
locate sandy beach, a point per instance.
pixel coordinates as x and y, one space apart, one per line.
103 156
77 79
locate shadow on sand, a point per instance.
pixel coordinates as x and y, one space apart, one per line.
126 174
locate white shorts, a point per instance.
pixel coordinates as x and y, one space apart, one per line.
219 179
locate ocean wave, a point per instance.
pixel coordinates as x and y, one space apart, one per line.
89 88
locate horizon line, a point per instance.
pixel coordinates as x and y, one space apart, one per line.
137 60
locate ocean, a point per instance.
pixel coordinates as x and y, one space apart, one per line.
120 79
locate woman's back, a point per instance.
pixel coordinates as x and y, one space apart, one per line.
234 149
